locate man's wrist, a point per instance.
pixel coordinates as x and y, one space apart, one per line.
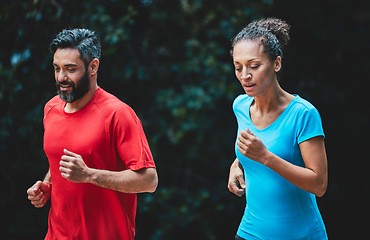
47 181
92 176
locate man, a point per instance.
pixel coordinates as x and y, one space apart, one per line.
99 157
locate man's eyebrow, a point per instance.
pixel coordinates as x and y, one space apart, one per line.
70 65
67 65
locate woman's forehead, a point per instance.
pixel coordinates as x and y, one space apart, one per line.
248 50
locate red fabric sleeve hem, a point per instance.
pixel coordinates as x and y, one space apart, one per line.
136 168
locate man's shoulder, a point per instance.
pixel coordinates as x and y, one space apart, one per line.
56 100
110 104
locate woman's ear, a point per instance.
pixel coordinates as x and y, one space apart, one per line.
277 64
94 66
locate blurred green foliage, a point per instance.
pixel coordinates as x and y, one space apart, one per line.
170 61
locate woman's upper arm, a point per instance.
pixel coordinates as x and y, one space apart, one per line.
314 156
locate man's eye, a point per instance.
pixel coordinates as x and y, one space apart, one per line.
56 69
71 69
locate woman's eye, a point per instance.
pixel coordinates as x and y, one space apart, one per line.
254 66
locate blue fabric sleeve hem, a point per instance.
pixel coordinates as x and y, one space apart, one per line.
305 138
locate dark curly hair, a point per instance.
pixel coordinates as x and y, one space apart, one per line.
84 40
273 33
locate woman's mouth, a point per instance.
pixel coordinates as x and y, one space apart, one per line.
249 85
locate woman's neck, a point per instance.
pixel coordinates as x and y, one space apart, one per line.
272 100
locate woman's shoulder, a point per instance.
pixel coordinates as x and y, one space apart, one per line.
242 99
302 103
303 109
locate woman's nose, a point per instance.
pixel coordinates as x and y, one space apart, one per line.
246 75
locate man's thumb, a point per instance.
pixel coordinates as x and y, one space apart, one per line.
44 187
35 188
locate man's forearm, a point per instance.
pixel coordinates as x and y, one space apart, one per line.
127 181
47 178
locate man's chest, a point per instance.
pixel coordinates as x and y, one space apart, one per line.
85 135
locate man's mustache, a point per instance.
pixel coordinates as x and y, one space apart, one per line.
65 83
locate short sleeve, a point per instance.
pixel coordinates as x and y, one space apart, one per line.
310 125
131 142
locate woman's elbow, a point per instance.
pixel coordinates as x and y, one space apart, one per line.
321 188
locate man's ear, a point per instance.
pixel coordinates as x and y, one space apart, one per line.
93 66
277 64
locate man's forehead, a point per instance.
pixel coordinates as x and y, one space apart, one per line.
67 56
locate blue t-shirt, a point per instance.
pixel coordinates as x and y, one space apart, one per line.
276 209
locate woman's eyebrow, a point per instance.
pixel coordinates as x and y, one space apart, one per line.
250 60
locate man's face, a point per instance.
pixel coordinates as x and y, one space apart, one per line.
72 78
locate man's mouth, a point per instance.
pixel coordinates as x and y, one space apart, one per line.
63 86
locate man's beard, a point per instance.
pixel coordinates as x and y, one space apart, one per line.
76 92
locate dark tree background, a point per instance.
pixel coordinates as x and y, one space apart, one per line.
170 61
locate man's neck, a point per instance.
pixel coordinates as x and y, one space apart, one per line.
80 103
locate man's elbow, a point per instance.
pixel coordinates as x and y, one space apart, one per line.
152 180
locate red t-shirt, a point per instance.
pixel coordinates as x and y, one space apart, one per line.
108 135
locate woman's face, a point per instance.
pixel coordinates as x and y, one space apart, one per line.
253 68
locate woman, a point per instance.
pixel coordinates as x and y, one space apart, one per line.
281 160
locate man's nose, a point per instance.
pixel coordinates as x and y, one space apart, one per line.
61 76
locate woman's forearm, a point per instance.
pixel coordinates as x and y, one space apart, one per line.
304 178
